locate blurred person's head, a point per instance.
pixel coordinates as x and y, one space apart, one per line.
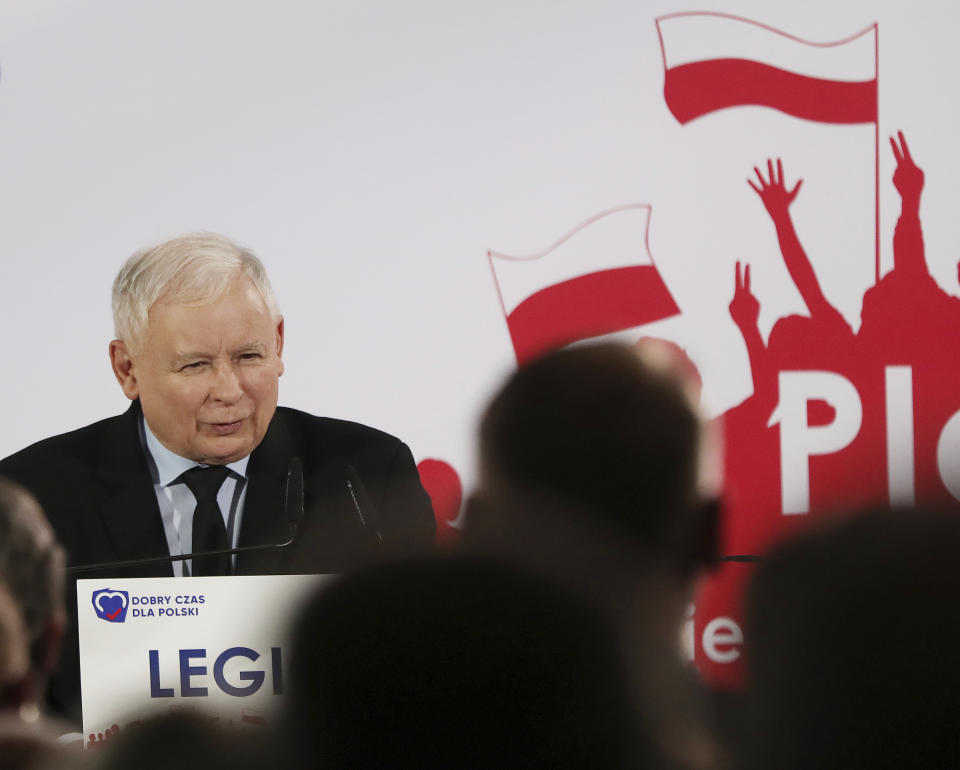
456 663
26 743
34 746
32 567
672 360
596 471
852 637
14 650
612 429
183 739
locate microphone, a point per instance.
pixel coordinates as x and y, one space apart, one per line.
293 498
362 504
741 557
293 508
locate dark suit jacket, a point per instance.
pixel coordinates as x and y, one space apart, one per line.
95 487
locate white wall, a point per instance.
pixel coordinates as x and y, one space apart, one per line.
371 152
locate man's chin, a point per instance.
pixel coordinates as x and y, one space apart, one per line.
224 450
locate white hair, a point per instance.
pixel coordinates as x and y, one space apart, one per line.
194 269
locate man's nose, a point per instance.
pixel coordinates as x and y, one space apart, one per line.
226 384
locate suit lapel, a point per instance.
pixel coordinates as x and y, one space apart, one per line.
129 508
264 519
330 535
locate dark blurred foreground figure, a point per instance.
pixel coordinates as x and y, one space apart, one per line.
853 635
609 427
448 663
29 746
591 463
181 739
23 744
14 650
31 566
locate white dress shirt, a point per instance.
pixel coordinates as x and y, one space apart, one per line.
177 502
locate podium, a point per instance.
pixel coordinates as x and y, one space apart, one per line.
220 644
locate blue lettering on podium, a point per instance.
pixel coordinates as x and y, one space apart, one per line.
187 671
156 691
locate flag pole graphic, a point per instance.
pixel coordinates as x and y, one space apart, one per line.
876 151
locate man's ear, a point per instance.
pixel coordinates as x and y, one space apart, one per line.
280 343
123 369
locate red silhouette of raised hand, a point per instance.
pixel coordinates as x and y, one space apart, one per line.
777 199
908 176
744 307
745 310
772 191
909 258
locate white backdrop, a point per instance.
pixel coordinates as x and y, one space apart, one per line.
372 152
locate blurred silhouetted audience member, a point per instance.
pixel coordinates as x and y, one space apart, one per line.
14 650
611 428
450 663
23 744
32 566
183 739
853 631
32 746
591 463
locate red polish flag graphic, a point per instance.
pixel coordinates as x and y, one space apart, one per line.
713 61
597 279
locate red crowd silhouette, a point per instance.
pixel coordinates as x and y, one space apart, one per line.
906 321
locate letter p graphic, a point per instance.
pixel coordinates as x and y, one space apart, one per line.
799 440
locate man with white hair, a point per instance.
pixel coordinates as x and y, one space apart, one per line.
200 460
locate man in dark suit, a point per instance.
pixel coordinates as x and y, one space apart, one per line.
200 459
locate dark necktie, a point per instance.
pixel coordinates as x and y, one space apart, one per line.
209 532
